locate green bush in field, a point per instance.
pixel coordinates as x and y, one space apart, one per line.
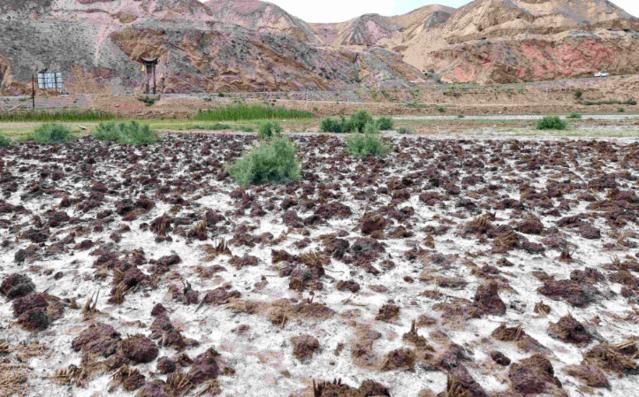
4 141
272 162
333 125
621 110
385 123
574 116
551 123
50 134
269 130
356 123
131 133
403 131
359 120
366 145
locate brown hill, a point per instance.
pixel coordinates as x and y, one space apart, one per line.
522 40
249 45
98 43
261 16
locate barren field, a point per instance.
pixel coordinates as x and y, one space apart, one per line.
467 267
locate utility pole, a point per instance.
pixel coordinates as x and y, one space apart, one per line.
33 91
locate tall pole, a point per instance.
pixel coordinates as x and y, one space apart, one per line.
33 91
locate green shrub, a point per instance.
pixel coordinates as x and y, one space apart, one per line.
371 128
441 109
551 123
241 111
269 130
4 141
621 110
631 102
50 134
385 123
366 145
246 128
404 131
273 161
333 125
578 94
359 119
132 133
574 116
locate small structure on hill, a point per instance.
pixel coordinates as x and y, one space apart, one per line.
149 65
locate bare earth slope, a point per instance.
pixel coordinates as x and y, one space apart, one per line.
196 52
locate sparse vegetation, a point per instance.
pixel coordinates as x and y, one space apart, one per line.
269 130
272 162
4 141
132 133
67 115
574 116
240 111
551 123
371 128
50 134
630 102
403 131
366 145
441 109
212 127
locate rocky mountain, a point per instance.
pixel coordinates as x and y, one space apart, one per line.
200 47
249 45
261 16
523 40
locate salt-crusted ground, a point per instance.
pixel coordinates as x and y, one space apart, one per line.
489 267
